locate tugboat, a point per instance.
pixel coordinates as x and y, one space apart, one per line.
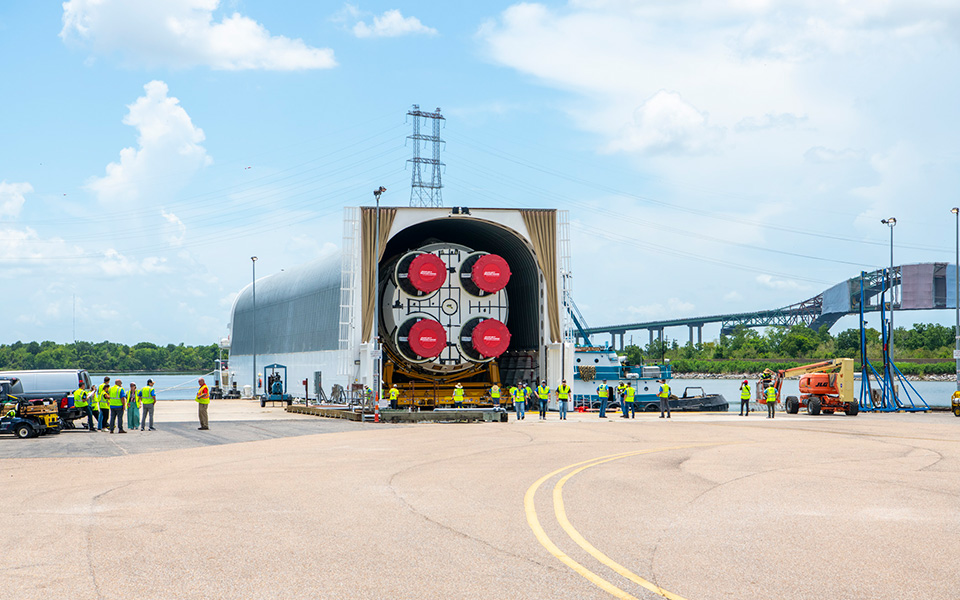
594 365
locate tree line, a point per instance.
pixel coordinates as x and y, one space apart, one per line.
107 357
743 348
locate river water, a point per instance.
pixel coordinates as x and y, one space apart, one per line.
168 387
935 393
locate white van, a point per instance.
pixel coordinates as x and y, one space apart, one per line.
58 384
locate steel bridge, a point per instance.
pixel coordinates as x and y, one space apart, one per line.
923 286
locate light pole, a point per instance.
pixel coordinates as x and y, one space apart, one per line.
891 223
376 303
253 260
956 301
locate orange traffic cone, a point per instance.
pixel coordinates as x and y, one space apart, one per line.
376 412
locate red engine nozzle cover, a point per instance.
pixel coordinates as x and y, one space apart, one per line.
490 337
427 338
490 273
427 273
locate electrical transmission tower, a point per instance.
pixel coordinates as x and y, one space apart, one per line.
425 194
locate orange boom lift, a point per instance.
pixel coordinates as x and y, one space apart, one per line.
825 387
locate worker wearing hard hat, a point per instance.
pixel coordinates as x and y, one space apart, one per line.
745 398
394 395
771 402
543 393
458 396
519 395
563 395
495 394
603 391
664 395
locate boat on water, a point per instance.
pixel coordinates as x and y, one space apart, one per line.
594 365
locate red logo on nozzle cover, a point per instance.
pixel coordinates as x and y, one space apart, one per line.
427 272
490 338
490 273
427 338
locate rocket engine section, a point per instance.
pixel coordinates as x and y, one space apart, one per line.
444 308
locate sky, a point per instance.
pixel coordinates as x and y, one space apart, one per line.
714 157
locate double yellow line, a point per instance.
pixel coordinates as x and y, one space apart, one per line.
561 515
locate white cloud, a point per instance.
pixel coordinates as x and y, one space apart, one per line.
665 124
733 296
11 198
821 155
183 33
176 230
168 152
392 24
769 121
115 264
769 281
673 308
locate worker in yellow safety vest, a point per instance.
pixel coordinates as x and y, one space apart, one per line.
80 401
563 396
603 391
458 396
394 396
745 398
519 395
664 395
543 393
117 400
495 394
148 399
629 406
203 405
771 401
103 403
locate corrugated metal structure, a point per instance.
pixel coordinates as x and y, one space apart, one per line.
319 316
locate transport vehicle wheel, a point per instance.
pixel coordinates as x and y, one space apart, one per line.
813 406
956 411
23 431
652 408
792 405
853 408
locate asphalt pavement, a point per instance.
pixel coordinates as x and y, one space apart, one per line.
702 506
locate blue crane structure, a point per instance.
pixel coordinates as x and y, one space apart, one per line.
920 286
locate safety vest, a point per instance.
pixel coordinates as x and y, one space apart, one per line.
203 394
621 388
516 394
458 394
394 394
602 391
630 393
745 392
115 396
147 396
103 395
495 391
771 395
563 392
80 398
543 391
664 391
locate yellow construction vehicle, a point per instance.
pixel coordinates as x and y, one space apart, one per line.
825 387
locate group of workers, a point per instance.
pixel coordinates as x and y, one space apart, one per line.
109 402
522 393
626 394
769 395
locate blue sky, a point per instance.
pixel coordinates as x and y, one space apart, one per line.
714 157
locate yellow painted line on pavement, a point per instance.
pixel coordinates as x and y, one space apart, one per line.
534 522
